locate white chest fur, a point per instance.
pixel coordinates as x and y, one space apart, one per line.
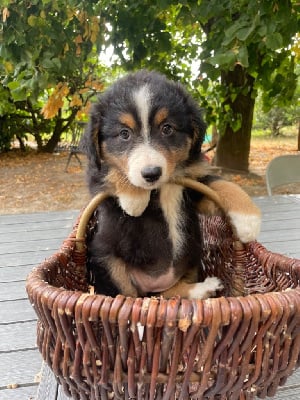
134 204
170 201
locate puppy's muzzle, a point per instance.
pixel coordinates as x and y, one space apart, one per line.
151 174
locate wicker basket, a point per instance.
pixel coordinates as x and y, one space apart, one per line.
238 346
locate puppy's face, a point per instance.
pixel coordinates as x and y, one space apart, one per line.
146 129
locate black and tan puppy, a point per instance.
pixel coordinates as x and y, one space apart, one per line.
143 132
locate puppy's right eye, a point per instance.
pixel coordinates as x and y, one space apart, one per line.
167 130
125 134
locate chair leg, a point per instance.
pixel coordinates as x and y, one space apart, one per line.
78 159
68 162
69 159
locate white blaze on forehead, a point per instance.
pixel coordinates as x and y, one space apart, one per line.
142 99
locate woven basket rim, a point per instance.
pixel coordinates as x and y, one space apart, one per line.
36 278
76 239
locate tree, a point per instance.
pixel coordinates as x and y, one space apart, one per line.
49 65
241 46
245 45
253 53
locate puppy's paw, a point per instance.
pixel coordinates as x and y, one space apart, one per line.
246 226
206 289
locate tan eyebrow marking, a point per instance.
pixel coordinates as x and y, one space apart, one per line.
128 120
160 116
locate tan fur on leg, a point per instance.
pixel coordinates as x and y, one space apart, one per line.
188 287
121 278
244 215
199 290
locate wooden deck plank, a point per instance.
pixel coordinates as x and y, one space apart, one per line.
271 225
13 291
33 226
23 334
289 393
10 219
293 380
22 237
280 224
48 388
20 393
17 273
277 199
61 395
280 236
31 246
284 216
24 243
19 231
16 311
13 259
289 248
276 203
20 367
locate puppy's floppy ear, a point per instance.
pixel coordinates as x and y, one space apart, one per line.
199 129
89 143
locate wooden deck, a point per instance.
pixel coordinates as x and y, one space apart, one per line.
26 240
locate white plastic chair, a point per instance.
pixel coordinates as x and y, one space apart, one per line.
282 170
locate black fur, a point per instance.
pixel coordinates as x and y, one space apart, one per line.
142 242
103 118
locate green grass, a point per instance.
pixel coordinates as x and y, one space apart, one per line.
285 132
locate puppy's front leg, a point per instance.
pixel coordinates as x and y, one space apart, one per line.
188 287
244 215
198 290
121 277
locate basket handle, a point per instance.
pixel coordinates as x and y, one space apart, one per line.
202 188
100 197
86 216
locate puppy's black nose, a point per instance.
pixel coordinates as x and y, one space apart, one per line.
151 174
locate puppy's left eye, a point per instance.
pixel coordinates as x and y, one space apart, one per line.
125 134
167 130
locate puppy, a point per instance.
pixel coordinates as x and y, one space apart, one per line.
144 132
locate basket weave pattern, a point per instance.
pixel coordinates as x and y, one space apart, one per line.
152 348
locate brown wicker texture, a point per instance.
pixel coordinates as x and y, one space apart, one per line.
231 347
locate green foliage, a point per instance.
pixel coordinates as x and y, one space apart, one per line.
49 55
43 42
255 35
278 117
245 46
46 45
145 34
170 36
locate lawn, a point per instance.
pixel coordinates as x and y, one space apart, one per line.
34 182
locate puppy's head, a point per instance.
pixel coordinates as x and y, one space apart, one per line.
144 130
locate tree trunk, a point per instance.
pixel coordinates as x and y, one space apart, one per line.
21 143
234 146
61 125
214 136
50 146
38 138
298 146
